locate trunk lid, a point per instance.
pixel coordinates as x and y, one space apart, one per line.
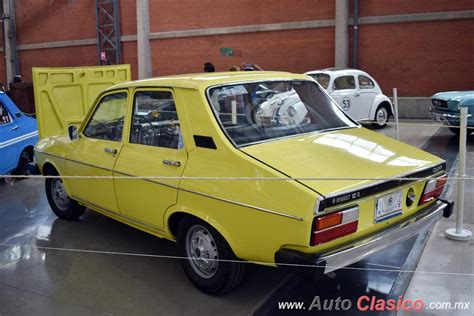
350 153
64 95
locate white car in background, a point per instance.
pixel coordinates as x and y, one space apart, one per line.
357 93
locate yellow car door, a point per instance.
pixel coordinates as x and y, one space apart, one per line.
154 148
63 97
96 150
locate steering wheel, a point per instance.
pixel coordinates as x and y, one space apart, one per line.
154 128
106 129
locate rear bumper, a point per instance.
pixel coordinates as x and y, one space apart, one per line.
333 259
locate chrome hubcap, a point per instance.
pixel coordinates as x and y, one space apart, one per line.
201 250
59 194
382 116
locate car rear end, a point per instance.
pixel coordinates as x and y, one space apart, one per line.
370 190
349 226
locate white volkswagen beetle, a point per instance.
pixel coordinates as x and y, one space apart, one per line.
357 93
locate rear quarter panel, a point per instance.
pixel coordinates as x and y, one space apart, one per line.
253 232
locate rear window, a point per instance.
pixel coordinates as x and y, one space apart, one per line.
365 82
322 79
262 111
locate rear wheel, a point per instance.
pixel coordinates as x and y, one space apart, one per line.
60 202
26 157
381 116
210 263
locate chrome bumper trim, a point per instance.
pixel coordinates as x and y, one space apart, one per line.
354 252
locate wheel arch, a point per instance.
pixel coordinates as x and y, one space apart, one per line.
29 148
381 100
175 217
49 166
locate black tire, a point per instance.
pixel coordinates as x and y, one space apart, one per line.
456 131
66 208
221 278
26 157
382 111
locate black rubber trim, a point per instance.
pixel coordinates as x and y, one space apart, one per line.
299 263
204 142
448 211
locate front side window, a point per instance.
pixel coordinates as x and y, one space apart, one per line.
5 117
322 79
261 111
344 83
107 121
365 82
155 120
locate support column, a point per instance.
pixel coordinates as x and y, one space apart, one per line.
341 54
143 42
9 52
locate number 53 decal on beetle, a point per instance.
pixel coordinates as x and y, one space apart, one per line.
346 104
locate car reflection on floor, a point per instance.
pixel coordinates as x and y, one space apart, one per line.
45 265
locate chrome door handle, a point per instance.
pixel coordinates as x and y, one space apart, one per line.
14 128
171 163
356 94
110 151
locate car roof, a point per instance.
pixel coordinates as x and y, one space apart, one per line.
204 80
336 70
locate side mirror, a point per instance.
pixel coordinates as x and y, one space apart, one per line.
72 131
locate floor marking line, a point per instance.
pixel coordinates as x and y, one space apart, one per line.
265 298
224 260
383 265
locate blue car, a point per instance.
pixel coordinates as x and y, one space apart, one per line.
18 135
445 108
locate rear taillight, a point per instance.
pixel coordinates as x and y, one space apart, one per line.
334 225
433 189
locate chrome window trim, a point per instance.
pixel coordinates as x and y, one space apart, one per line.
94 108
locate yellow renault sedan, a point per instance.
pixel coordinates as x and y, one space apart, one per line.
244 166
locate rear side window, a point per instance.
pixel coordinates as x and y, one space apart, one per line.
365 82
344 83
107 121
155 120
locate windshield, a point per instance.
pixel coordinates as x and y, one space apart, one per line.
322 79
259 111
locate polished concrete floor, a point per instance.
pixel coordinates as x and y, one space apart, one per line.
97 266
445 272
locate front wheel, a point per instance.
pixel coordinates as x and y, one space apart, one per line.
60 202
381 116
209 262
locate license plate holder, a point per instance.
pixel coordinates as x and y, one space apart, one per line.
388 206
